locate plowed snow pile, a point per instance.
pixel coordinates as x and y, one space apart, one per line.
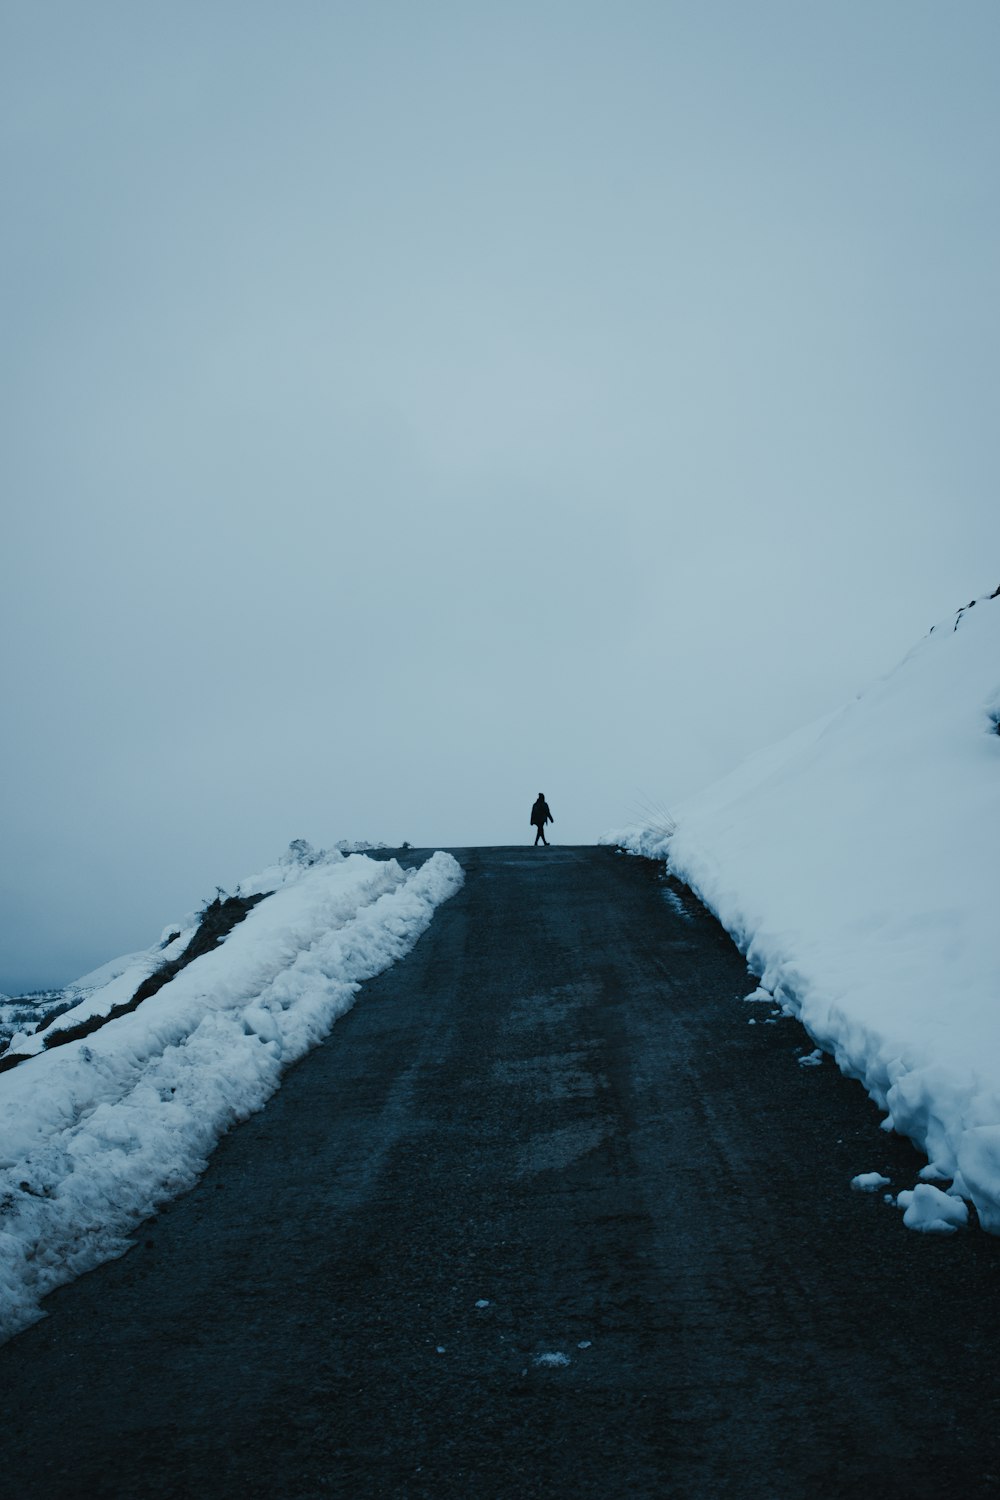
95 1133
857 865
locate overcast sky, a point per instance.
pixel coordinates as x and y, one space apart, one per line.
408 408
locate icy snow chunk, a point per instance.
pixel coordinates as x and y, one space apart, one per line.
483 1302
931 1211
759 997
257 1021
811 1059
584 1344
552 1361
869 1182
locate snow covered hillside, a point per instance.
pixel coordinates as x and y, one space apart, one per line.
114 1105
856 864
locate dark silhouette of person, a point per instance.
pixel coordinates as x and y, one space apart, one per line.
540 815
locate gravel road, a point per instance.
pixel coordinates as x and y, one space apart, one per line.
545 1215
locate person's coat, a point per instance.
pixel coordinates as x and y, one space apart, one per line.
540 814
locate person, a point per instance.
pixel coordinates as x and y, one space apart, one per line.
540 815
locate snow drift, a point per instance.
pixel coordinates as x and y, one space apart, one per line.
97 1132
856 865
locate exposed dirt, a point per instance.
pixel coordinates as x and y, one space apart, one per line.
545 1215
217 921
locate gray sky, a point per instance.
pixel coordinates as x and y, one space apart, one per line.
409 407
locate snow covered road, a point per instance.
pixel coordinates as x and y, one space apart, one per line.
546 1214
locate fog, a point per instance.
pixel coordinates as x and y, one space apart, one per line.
407 409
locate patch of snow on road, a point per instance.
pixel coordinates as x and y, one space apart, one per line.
811 1059
95 1134
869 1182
855 865
552 1361
673 900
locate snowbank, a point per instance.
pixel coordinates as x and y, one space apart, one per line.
856 866
94 1134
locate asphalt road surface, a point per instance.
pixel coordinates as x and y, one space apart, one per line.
544 1216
